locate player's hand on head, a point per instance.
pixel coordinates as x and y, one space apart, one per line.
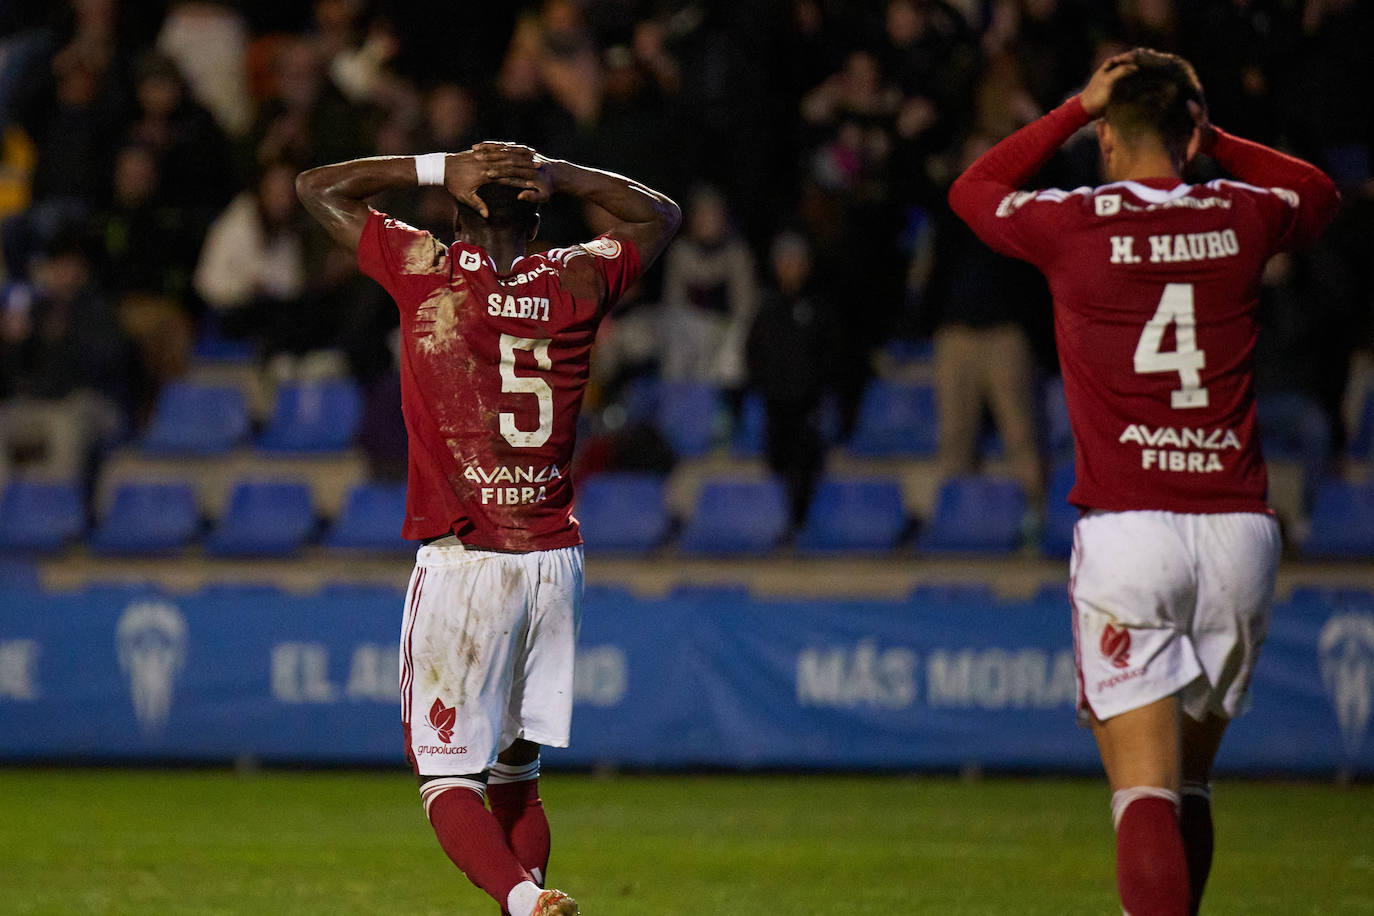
518 166
464 173
1099 89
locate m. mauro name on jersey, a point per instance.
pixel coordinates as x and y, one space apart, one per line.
1170 249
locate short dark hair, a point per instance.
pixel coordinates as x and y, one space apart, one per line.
506 209
1154 100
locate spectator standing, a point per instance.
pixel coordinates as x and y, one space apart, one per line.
790 355
710 295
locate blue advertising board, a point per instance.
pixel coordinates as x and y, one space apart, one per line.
714 679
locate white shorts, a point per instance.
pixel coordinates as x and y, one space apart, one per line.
487 648
1166 602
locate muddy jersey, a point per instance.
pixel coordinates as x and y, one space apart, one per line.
493 369
1155 287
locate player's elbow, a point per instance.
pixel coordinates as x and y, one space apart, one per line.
311 184
670 215
958 197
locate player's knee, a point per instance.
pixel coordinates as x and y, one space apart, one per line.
520 753
431 787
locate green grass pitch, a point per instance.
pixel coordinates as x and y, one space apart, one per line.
195 842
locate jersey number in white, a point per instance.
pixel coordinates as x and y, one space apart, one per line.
1176 308
521 384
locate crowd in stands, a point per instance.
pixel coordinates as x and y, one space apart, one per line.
148 150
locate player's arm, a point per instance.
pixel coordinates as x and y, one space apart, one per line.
644 216
981 195
336 195
1259 165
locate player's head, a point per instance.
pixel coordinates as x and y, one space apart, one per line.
507 213
1149 106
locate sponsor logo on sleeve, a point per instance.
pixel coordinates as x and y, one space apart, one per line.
1107 204
1013 202
607 248
470 260
1287 196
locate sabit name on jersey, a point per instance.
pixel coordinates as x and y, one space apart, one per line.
1155 453
535 480
535 307
1170 249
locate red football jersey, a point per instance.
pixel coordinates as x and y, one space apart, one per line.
1155 287
493 368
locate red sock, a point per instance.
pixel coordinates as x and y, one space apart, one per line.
1195 823
520 812
474 841
1151 871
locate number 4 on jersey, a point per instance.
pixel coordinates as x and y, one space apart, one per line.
1176 308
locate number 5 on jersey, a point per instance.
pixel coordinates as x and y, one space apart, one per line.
1176 308
526 384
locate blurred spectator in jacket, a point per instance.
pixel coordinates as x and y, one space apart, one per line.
710 296
65 365
979 304
791 352
252 269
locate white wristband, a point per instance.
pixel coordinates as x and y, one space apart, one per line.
429 168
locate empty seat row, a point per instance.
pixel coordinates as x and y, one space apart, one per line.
895 420
628 513
197 419
618 512
262 518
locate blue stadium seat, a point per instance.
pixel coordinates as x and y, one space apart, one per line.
641 397
976 515
319 416
1342 521
1361 444
18 574
264 518
1056 540
737 516
147 517
1293 426
371 519
1055 416
622 512
686 416
896 421
747 438
40 516
854 514
197 419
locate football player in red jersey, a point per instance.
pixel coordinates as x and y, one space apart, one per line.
494 362
1155 284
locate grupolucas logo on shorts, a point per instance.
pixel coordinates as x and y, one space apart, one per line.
1116 645
441 719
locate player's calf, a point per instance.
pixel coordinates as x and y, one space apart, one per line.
1151 869
513 792
1195 824
474 841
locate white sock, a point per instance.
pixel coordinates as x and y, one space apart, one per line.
522 898
1122 799
503 773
